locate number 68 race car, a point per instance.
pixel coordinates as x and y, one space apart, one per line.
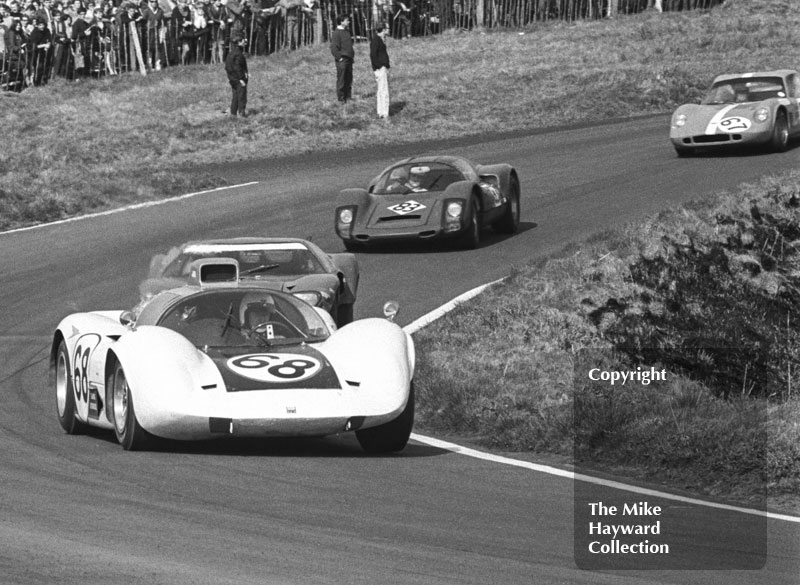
218 358
759 108
430 197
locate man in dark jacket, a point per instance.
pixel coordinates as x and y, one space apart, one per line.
343 54
236 68
379 57
39 43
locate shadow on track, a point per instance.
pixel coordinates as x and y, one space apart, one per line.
437 246
344 446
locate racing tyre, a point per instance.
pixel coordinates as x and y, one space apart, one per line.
509 223
344 315
472 237
65 394
391 436
129 433
780 133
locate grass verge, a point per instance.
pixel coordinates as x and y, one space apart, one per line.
708 292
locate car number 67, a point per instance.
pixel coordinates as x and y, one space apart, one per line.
734 124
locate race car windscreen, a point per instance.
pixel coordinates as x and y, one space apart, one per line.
746 89
244 317
273 260
417 177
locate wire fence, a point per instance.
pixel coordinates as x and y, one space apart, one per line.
129 39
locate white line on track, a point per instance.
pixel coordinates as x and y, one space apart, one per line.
446 308
127 208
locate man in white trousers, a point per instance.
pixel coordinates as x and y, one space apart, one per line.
380 65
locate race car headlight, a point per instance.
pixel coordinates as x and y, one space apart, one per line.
344 220
316 298
312 297
452 213
346 216
454 209
680 120
762 115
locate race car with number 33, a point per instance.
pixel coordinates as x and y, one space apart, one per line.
759 109
219 358
430 197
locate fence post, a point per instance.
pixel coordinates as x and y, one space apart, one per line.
480 16
318 24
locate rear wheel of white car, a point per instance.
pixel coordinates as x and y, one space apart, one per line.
65 394
780 133
472 237
129 433
392 436
509 223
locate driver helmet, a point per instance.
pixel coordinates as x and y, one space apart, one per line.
725 93
256 309
398 175
415 176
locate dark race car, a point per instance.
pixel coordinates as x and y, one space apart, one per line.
427 197
293 265
759 108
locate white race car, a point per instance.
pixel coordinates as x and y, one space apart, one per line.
760 108
218 358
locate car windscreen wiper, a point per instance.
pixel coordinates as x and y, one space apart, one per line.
261 268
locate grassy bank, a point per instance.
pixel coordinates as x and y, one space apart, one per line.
69 148
710 293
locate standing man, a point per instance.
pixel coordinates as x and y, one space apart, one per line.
380 65
236 68
343 54
154 19
39 43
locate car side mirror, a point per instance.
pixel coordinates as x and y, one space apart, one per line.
390 309
127 318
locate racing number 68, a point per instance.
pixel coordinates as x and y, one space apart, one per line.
286 369
80 374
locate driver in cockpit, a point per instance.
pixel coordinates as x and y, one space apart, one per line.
257 314
404 180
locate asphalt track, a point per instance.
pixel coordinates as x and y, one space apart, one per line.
80 510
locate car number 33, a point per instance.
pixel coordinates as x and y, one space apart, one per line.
266 367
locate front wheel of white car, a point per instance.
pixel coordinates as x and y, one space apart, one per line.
65 394
391 436
129 432
780 133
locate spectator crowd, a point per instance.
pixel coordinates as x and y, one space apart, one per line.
74 39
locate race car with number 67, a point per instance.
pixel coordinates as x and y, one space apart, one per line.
219 357
430 197
760 109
